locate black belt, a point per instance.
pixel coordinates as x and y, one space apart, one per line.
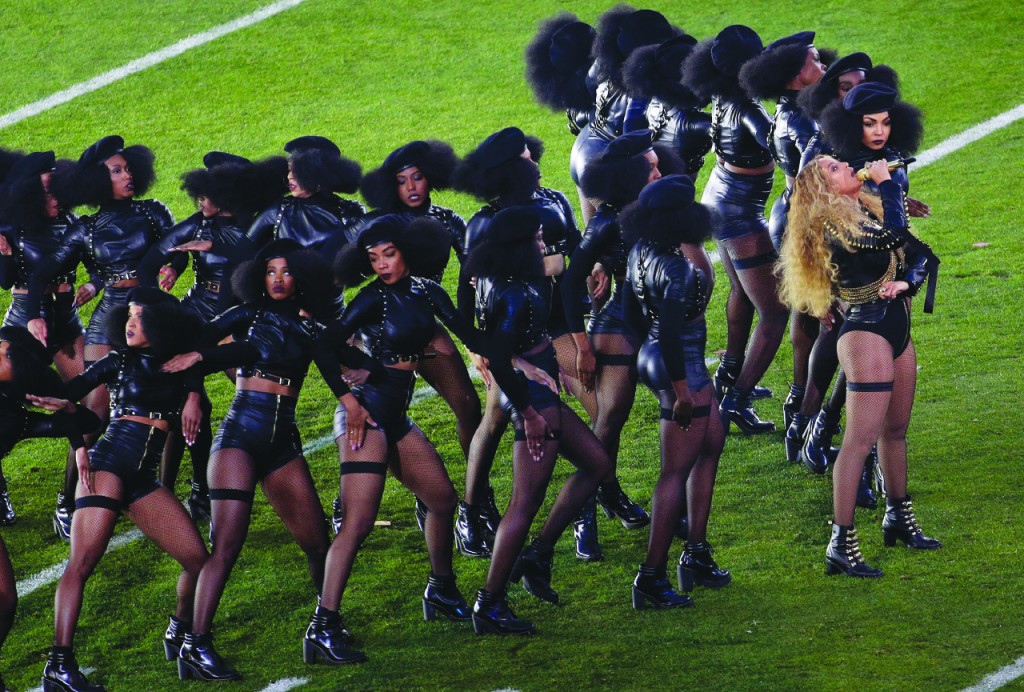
277 379
120 411
124 276
558 248
211 286
393 358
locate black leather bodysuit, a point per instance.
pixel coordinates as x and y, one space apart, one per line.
791 134
615 113
687 131
318 222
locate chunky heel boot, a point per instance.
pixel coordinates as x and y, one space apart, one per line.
199 502
843 555
817 443
442 595
795 436
584 530
865 493
652 589
7 514
62 674
791 406
491 615
198 660
900 524
698 568
736 408
327 640
62 518
534 569
337 515
491 517
469 532
616 503
174 637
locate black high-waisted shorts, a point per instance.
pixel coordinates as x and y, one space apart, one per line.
263 426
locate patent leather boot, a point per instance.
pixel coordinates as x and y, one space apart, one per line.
198 660
327 640
199 503
442 596
469 532
62 674
817 443
843 555
616 503
900 524
865 493
791 406
698 568
7 513
337 516
736 408
174 637
62 518
795 436
584 530
651 589
491 517
534 569
491 615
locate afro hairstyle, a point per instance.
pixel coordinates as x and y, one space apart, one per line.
423 241
765 76
169 328
314 291
438 164
509 248
704 79
239 189
666 228
514 180
813 100
614 180
89 184
322 169
22 201
558 87
644 75
844 131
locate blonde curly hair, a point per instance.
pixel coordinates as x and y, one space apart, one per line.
818 219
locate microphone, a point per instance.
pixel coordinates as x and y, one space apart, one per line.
863 174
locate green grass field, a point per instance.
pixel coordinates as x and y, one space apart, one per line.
374 76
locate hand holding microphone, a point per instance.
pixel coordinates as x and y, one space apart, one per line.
864 174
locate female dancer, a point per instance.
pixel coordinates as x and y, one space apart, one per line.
258 441
671 278
111 242
786 67
841 236
508 265
613 179
398 311
24 369
738 189
120 472
33 227
228 191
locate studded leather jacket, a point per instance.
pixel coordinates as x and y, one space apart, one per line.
30 248
514 311
791 132
739 130
602 241
318 222
687 131
615 113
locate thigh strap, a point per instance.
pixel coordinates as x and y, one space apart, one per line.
698 412
620 359
232 494
101 501
755 261
519 435
868 386
375 467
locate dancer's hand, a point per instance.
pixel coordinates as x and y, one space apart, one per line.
191 417
194 246
356 420
85 293
85 473
682 409
5 247
535 374
891 289
586 362
37 328
483 366
917 208
537 432
182 361
50 403
600 282
168 277
355 376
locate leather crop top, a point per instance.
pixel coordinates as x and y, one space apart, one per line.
739 130
602 242
686 131
30 248
317 222
791 132
667 294
513 311
615 113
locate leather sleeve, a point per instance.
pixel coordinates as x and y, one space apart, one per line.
160 254
601 233
8 267
103 371
757 122
74 242
261 231
678 279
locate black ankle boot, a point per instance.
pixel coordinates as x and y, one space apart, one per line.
652 589
491 615
533 567
198 660
421 515
791 406
727 373
817 443
843 554
61 673
616 503
337 515
469 532
698 568
199 502
174 637
736 408
442 595
901 524
7 513
62 518
327 640
584 530
491 517
795 436
865 493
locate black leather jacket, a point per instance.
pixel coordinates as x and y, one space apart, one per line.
739 130
687 131
615 113
601 242
30 248
514 311
791 132
318 222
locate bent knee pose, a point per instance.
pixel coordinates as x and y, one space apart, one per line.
877 264
670 278
119 474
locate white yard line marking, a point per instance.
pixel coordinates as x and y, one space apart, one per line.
969 136
145 62
285 685
1003 676
52 574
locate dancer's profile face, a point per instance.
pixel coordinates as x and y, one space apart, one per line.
848 81
134 334
294 187
6 372
121 182
653 174
51 207
813 68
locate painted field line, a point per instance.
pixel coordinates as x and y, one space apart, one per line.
969 136
145 62
1003 676
285 685
52 574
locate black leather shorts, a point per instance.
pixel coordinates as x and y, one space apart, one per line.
540 396
387 398
739 201
891 320
610 320
130 450
112 297
63 325
651 364
263 426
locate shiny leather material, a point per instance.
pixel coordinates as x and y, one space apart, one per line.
7 514
136 383
843 555
736 408
651 588
616 503
198 660
815 452
174 637
602 241
584 532
534 570
450 220
62 673
901 525
469 532
491 615
687 131
791 133
795 432
442 596
317 222
697 567
739 200
865 492
739 130
327 640
514 309
30 248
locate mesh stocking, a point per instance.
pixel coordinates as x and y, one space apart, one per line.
565 354
484 447
616 390
892 445
174 449
8 593
821 369
587 207
446 372
739 311
292 493
803 333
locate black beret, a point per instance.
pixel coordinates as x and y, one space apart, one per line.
219 158
847 63
403 157
31 165
312 142
870 97
670 54
629 145
149 296
383 229
642 28
670 192
277 248
802 38
733 46
570 47
102 150
501 147
514 225
19 336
